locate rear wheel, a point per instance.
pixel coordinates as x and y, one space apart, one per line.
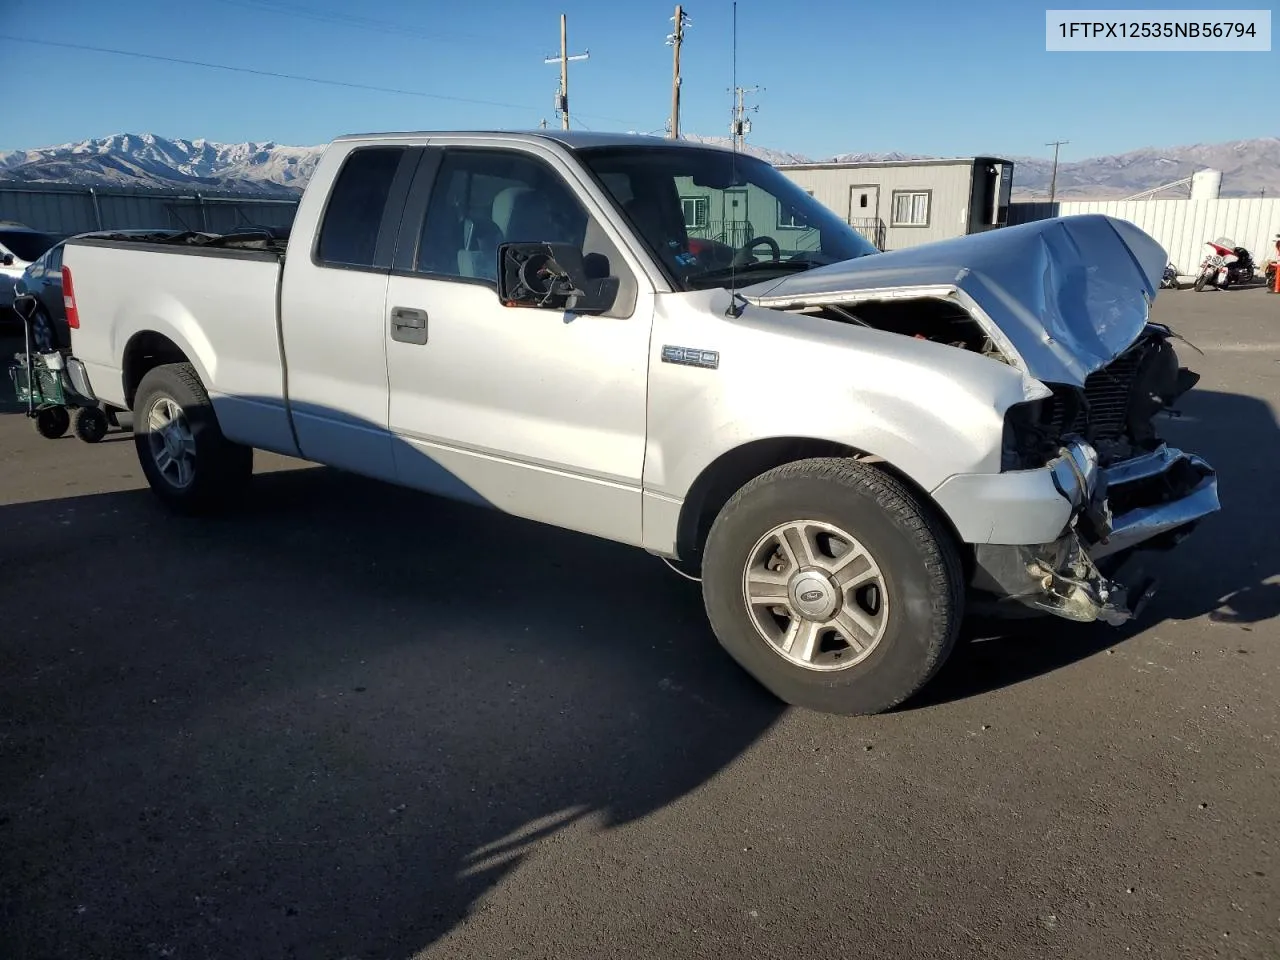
189 464
833 586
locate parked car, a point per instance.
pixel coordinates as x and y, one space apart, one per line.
847 447
19 246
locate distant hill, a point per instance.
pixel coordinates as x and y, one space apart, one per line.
145 160
1248 168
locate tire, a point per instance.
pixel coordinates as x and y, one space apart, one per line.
1201 281
188 463
52 422
913 601
90 424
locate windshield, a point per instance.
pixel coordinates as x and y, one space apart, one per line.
26 244
708 215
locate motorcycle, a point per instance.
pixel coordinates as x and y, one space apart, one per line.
1224 265
1170 279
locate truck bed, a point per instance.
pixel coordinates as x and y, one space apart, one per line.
215 297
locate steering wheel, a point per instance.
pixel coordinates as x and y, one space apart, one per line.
746 254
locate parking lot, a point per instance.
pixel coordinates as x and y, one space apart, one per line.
351 721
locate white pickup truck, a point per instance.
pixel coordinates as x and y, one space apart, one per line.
675 347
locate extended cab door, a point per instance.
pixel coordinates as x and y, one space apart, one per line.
332 304
540 413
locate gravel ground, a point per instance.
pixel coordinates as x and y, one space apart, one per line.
350 721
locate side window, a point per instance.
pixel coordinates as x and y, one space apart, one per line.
353 216
53 263
482 198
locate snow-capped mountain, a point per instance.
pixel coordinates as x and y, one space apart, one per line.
145 160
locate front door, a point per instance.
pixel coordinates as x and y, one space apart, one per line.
540 413
737 218
864 201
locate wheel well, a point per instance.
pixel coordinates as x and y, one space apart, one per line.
144 352
731 471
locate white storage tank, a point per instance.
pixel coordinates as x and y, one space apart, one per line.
1206 184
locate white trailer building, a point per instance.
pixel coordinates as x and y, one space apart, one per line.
903 203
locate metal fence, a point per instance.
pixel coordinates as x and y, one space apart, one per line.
870 227
1180 225
70 210
733 232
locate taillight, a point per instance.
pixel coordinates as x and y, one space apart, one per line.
69 300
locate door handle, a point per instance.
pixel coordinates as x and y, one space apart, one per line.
406 317
408 325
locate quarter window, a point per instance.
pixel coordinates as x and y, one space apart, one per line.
353 217
911 208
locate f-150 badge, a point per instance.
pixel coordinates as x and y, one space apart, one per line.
691 357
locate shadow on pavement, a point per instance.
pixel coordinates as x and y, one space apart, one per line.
329 725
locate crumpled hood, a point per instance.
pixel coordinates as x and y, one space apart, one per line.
1068 294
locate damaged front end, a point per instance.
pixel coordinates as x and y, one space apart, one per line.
1129 491
1150 502
1067 302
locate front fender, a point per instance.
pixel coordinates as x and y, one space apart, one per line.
929 410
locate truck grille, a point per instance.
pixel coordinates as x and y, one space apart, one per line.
1108 392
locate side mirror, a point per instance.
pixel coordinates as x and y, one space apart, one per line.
24 305
7 260
551 276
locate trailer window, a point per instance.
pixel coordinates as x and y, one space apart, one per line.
349 234
911 208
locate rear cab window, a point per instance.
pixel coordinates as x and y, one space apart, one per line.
357 207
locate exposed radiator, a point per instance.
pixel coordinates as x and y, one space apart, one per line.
1108 392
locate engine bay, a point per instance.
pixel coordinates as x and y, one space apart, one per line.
1114 412
927 318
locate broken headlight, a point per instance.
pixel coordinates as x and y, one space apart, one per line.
1029 440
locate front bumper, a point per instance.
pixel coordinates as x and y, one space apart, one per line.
1152 501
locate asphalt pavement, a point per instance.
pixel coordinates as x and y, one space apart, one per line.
351 721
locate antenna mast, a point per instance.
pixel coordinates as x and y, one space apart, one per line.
734 309
562 94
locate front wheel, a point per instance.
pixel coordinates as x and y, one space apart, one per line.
833 585
1203 280
189 464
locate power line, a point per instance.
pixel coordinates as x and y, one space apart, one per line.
676 39
562 93
1053 183
287 76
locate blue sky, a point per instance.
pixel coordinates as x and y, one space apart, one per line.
926 77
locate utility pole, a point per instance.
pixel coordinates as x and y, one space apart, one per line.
675 40
741 126
1053 182
562 95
